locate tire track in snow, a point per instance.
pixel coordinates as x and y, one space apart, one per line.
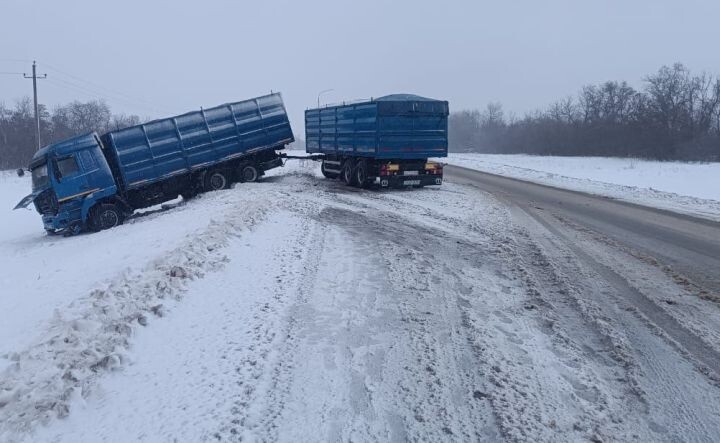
431 391
338 348
687 302
592 359
586 371
659 370
280 370
419 215
256 355
695 346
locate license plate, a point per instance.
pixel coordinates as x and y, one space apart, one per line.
411 182
410 173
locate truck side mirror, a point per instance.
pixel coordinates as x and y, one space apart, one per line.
20 172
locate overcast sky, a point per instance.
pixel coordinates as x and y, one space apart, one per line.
158 58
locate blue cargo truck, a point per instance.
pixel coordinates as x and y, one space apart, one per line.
94 182
384 142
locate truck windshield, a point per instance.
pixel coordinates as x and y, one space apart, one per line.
40 176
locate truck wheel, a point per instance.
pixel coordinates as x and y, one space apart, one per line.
105 216
326 173
348 173
249 174
361 174
216 180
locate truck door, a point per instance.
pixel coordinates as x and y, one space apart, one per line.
72 182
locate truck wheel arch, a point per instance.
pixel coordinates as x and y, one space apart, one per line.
122 206
96 198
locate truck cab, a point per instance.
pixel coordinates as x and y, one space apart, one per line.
68 178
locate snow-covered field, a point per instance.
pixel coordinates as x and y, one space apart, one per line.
692 188
299 309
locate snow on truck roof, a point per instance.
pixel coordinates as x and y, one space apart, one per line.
404 98
385 98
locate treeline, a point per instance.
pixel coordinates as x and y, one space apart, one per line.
17 126
676 115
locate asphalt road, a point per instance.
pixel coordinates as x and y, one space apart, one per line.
689 246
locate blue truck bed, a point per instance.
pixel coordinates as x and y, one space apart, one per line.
399 126
164 148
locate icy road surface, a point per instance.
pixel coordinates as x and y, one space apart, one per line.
690 188
298 309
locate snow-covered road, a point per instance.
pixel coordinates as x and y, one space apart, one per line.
298 309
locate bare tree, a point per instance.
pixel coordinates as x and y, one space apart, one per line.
17 125
675 116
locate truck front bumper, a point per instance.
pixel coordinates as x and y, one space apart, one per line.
62 220
401 181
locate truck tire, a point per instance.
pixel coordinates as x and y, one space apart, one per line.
216 180
326 173
348 173
106 216
249 173
361 174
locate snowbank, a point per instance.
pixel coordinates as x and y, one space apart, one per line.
70 305
691 188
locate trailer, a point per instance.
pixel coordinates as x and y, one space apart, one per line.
386 142
94 182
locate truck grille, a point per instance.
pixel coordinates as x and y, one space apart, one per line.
46 203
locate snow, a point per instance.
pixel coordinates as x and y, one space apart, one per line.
56 351
178 389
43 273
300 309
692 188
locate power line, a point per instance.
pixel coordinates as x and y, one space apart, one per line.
95 94
97 87
76 88
110 97
70 87
69 81
79 89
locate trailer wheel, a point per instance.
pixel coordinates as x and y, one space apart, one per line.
216 180
105 216
361 174
348 173
249 174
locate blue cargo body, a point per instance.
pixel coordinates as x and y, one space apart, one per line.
385 142
95 182
400 126
160 149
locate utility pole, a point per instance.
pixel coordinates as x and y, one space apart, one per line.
34 78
